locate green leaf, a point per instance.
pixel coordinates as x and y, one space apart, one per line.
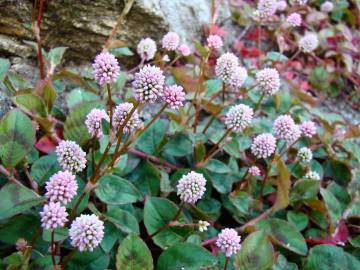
16 199
116 190
17 137
283 264
60 234
217 166
298 219
283 186
186 256
55 55
332 205
284 234
329 257
340 171
179 146
158 212
4 67
256 253
150 140
146 178
49 95
31 103
122 220
275 56
118 52
304 190
43 168
74 128
78 96
133 254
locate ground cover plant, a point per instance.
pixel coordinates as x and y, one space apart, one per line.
200 156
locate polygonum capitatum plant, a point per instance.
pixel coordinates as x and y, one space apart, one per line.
201 156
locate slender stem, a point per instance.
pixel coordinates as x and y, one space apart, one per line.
152 158
110 104
32 183
38 38
254 220
223 92
67 259
226 263
154 119
52 248
294 56
257 106
267 175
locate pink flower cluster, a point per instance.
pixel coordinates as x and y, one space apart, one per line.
308 129
53 216
93 122
174 95
285 128
121 113
170 41
254 171
214 42
146 49
267 8
106 68
228 241
61 187
294 19
225 66
191 187
239 117
263 145
70 156
268 81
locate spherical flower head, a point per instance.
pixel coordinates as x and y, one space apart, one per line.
61 187
239 117
294 19
149 84
121 113
254 171
308 129
327 6
203 225
214 42
174 95
225 66
312 175
184 50
308 43
305 155
301 2
281 5
21 244
86 232
146 49
70 156
268 80
93 122
263 145
191 187
266 8
170 41
283 127
238 77
106 68
228 241
53 216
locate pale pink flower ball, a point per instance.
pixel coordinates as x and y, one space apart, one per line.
267 8
61 187
121 113
86 232
308 43
214 42
170 41
184 50
146 48
106 68
53 216
191 187
149 84
174 95
239 117
225 66
308 128
283 127
327 6
21 244
93 122
281 5
263 145
254 171
238 77
294 19
268 80
228 241
70 156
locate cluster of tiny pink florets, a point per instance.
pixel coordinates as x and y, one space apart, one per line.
170 41
254 171
53 216
308 128
225 66
61 187
106 68
268 80
70 156
294 19
263 145
214 42
267 8
285 128
93 122
238 77
191 187
174 95
228 241
146 48
120 115
239 117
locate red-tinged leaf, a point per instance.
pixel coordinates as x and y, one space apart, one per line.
45 144
341 233
283 186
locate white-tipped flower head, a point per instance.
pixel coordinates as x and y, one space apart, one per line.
149 84
308 129
106 68
294 19
254 171
93 122
263 145
229 242
170 41
174 95
214 42
191 187
268 80
225 66
203 225
239 117
53 216
312 175
327 6
238 77
86 232
61 187
285 128
120 115
21 244
267 8
308 43
146 49
70 156
281 5
305 155
184 50
301 2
